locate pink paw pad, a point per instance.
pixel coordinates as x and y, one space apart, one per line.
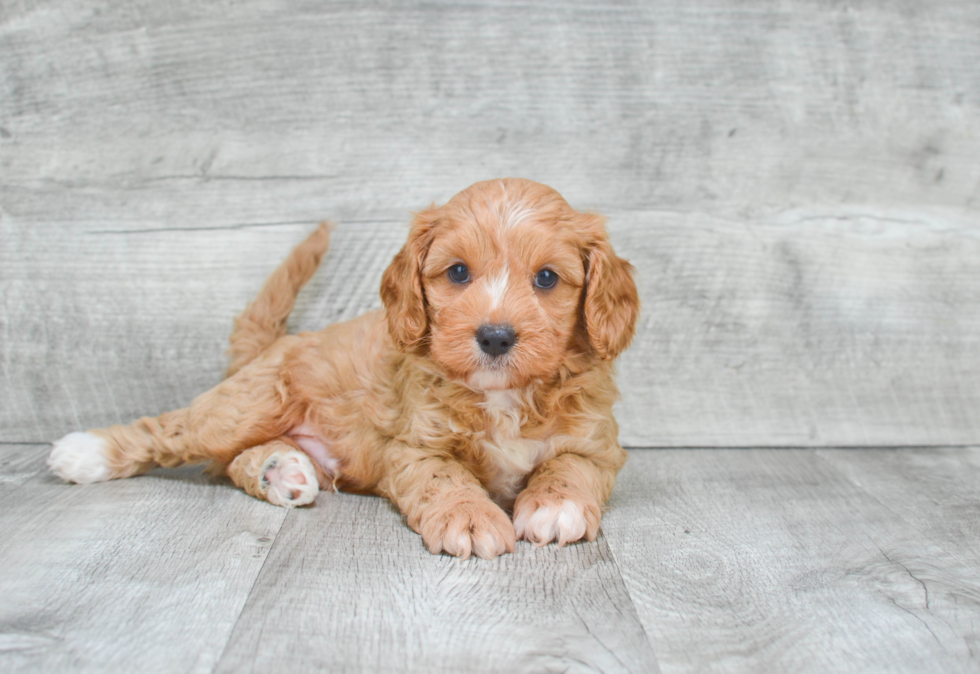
289 480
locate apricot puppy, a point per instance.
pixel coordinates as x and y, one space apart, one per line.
485 384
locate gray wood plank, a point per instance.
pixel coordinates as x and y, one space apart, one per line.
638 104
348 587
803 329
140 574
19 463
774 561
797 186
797 330
102 329
709 560
936 490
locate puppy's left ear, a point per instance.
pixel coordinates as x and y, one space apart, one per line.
612 304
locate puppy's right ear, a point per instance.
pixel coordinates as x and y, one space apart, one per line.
401 285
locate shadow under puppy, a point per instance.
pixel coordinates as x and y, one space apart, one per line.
485 383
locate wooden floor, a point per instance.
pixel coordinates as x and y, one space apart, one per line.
766 560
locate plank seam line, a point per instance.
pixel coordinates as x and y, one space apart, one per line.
626 589
238 619
243 225
215 228
230 177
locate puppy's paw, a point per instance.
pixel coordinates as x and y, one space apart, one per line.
81 458
542 521
460 529
288 479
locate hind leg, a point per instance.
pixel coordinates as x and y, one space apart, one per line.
277 472
244 411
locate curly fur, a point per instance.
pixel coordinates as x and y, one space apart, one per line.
403 403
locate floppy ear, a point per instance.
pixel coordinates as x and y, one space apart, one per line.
401 286
612 303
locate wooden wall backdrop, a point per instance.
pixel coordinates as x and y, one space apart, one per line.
798 184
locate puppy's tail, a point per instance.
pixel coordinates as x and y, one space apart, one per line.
264 320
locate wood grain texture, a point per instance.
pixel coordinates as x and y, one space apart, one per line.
796 184
135 575
642 104
153 573
139 323
806 330
774 561
351 589
936 491
709 560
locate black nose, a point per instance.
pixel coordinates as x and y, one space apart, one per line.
496 340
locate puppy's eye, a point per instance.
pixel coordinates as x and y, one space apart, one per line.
546 279
459 273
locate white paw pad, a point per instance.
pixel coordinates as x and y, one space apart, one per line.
563 522
288 479
80 457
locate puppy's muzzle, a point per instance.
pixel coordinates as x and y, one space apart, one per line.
496 340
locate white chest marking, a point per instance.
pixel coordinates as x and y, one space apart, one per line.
514 455
488 381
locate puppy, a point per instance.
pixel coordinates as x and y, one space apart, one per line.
485 384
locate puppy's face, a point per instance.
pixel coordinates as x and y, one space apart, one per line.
496 283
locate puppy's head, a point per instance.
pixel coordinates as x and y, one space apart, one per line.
498 284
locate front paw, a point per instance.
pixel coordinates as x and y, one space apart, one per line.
543 520
462 528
